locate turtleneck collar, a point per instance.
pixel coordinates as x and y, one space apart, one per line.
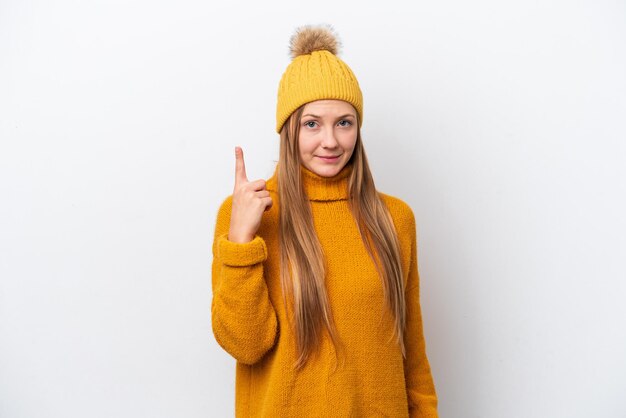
319 188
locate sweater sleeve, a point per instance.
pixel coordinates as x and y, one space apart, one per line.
419 382
243 318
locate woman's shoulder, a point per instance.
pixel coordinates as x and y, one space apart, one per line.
226 204
400 211
224 210
396 204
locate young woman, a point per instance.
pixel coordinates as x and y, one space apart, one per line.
315 279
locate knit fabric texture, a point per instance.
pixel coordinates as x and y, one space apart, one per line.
316 76
249 319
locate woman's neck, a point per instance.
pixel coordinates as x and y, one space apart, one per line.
319 188
322 188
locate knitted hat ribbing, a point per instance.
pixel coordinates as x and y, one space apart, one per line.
315 73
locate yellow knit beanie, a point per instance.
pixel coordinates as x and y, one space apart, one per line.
315 73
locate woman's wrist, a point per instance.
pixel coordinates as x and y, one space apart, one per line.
240 238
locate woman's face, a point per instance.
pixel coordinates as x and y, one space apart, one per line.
328 131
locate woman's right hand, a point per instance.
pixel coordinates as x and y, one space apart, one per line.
250 200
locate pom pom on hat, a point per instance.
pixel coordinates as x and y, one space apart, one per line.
313 38
316 73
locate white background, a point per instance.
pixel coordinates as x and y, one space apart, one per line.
502 124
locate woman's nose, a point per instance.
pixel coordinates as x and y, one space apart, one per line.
329 140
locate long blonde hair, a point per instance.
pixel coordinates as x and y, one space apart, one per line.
302 270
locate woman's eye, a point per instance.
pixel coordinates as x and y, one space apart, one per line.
310 124
345 123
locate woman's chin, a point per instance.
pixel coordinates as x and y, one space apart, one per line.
327 170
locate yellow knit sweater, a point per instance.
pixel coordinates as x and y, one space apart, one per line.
250 322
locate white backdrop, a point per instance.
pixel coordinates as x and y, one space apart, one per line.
500 123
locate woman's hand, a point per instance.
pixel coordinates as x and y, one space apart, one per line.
250 200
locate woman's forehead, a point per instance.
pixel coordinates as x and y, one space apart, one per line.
328 107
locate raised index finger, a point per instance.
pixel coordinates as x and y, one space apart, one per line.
240 167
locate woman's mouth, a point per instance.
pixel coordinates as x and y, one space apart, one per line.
329 159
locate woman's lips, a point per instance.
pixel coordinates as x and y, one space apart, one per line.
329 159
